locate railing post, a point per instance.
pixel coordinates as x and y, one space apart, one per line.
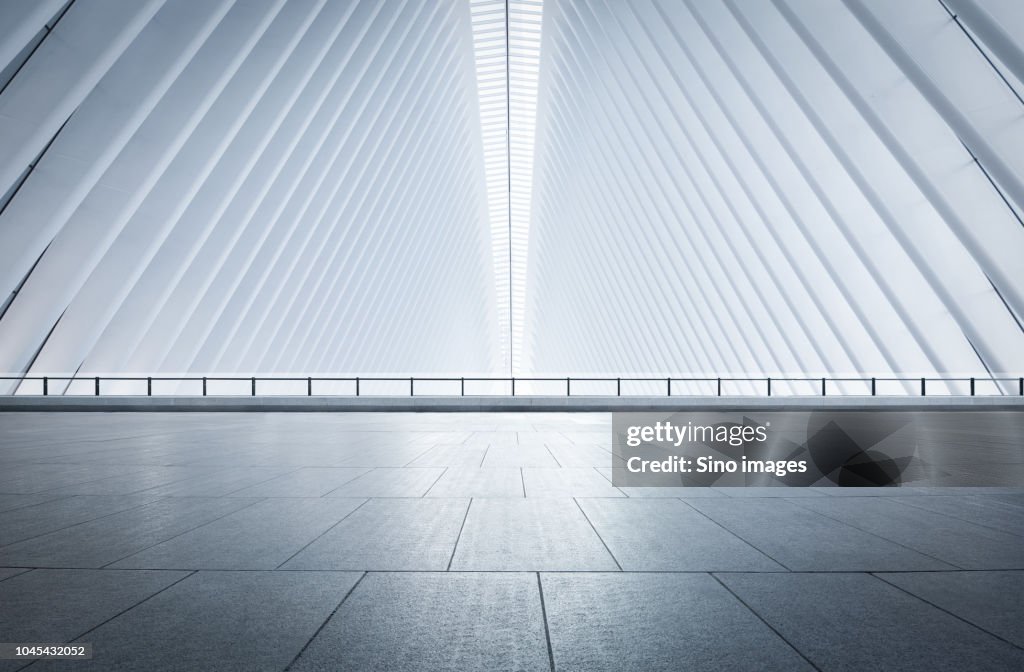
823 387
1020 385
149 386
254 386
568 390
872 386
204 386
972 386
411 394
357 386
719 387
769 386
922 387
462 386
97 386
309 386
513 386
46 386
618 387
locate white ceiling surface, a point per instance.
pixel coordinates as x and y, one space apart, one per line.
758 186
665 187
248 185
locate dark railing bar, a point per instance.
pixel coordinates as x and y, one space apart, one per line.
824 381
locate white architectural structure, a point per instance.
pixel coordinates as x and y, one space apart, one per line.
761 187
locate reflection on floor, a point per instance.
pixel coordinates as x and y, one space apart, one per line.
474 542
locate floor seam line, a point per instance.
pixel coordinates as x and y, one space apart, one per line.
763 620
459 536
943 609
68 527
124 611
193 529
904 501
599 537
874 534
436 480
326 621
548 448
547 629
728 531
314 539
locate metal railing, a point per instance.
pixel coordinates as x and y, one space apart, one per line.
1003 385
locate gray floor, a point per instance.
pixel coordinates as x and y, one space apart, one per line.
258 541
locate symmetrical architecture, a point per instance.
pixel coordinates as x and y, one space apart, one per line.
492 186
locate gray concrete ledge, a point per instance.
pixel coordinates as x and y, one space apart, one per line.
499 404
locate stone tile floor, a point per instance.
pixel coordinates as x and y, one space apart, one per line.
260 541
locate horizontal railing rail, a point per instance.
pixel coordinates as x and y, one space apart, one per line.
1004 385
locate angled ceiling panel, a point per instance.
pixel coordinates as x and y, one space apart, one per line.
776 186
246 186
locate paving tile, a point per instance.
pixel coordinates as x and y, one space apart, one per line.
770 491
219 482
225 621
803 540
8 572
890 491
261 536
137 481
49 477
990 600
519 456
451 456
306 482
438 621
388 482
667 535
477 482
529 535
32 521
859 622
656 622
99 542
396 456
58 605
389 534
980 510
949 539
580 456
11 502
567 482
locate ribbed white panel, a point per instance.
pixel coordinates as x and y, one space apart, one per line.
255 186
774 186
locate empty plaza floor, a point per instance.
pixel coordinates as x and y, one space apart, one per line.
487 541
